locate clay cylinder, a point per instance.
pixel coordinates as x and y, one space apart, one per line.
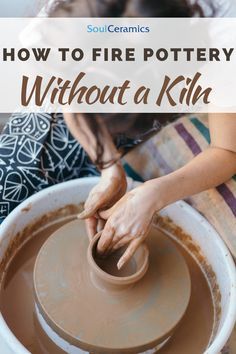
104 271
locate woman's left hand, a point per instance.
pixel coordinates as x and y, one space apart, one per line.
111 187
128 222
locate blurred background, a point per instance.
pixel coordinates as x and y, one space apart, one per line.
18 8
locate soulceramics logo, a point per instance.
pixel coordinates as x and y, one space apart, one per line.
117 29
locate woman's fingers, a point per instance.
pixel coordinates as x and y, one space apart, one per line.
105 214
100 225
98 200
122 242
91 206
89 210
105 239
85 214
112 247
91 226
131 249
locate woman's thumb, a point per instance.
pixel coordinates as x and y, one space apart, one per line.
105 214
87 212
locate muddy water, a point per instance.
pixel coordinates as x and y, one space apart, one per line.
17 305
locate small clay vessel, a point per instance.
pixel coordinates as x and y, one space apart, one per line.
104 270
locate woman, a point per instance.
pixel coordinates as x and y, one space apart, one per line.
129 218
126 218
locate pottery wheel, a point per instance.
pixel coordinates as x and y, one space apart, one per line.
97 320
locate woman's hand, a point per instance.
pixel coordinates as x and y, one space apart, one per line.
128 222
105 194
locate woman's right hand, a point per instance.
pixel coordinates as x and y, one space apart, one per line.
111 187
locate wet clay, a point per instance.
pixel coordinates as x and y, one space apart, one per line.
17 304
67 290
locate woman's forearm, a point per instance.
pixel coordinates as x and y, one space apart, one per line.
207 170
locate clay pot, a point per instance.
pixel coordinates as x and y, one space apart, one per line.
117 280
